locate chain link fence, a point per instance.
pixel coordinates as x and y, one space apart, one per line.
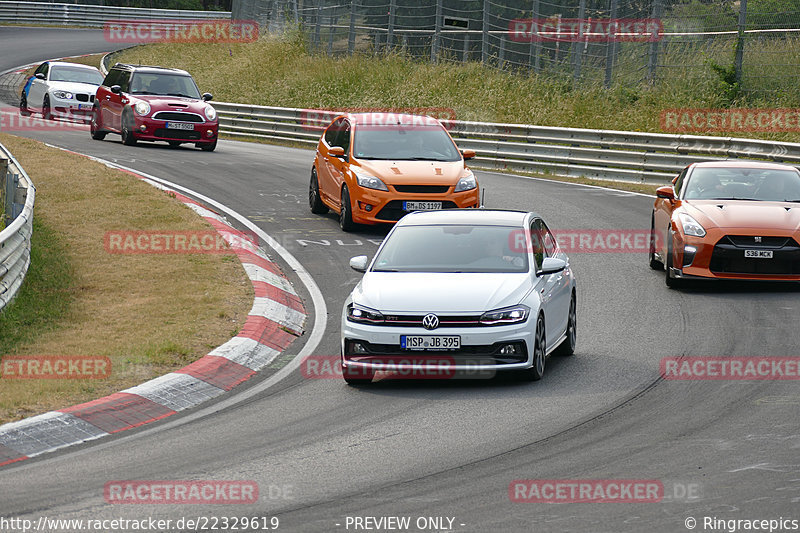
750 45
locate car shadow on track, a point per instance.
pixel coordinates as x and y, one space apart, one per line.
722 287
391 384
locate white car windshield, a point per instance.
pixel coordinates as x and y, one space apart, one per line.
404 142
451 248
76 75
756 184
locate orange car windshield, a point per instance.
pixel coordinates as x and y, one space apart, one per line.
452 249
753 184
399 142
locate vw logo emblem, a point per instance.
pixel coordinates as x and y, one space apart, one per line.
430 321
758 239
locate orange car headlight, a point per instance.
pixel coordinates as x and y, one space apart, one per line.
466 183
369 181
691 226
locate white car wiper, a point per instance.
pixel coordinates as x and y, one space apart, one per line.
736 198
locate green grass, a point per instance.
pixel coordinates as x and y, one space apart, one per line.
46 294
281 72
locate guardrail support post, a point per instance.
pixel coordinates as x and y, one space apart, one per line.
577 53
652 62
18 198
390 29
611 46
331 33
436 33
740 39
485 35
5 201
535 44
318 25
351 38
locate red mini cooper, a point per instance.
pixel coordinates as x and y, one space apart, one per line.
153 104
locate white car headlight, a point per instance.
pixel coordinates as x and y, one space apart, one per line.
62 95
142 108
368 180
466 183
211 113
363 315
691 226
508 315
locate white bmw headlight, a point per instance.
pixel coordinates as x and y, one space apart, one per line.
211 113
368 180
691 226
62 95
508 315
142 108
466 183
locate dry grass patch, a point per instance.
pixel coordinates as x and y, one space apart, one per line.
149 313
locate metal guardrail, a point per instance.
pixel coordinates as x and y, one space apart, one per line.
93 16
570 152
15 239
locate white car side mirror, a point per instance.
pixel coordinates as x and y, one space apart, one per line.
359 263
551 265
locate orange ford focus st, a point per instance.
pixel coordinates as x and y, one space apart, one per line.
728 220
374 168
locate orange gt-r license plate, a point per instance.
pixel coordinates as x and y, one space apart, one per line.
421 206
758 254
430 342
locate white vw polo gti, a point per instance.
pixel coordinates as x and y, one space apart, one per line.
460 292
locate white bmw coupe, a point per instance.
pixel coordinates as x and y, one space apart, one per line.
61 89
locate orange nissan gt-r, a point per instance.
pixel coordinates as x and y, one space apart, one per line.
374 168
728 220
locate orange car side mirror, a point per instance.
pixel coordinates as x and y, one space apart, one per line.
665 192
336 151
468 154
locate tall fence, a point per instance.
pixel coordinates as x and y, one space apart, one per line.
91 15
17 199
757 41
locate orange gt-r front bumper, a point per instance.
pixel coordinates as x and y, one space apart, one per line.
720 254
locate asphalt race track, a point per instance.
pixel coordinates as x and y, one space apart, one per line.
321 451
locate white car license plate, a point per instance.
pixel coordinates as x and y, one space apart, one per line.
179 126
430 342
421 206
758 254
84 106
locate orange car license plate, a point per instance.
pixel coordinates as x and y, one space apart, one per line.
421 206
758 254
